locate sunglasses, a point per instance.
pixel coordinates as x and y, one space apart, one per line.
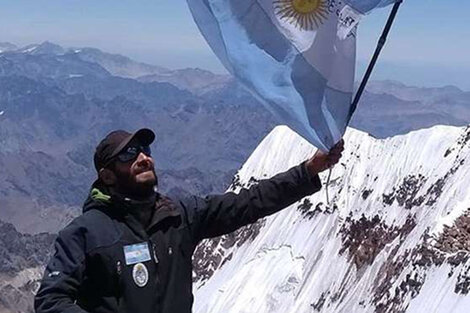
130 153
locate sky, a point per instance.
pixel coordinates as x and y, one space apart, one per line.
428 45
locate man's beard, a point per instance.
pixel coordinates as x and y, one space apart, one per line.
128 186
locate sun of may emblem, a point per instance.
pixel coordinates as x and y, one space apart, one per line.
304 14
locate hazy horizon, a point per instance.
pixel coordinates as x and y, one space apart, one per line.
425 46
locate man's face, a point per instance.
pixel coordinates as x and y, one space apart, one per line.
136 177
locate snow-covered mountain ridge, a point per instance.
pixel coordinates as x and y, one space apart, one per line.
395 236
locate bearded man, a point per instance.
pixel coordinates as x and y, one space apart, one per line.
130 251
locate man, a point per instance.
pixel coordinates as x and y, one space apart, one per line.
131 249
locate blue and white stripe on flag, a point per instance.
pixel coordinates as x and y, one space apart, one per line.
364 6
296 56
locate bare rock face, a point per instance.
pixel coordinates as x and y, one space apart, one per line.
449 248
19 251
365 238
22 260
13 299
405 194
213 253
456 238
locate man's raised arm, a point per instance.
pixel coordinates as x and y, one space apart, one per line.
221 214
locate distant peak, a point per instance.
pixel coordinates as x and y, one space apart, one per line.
45 47
49 44
7 46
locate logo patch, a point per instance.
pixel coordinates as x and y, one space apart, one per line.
140 274
137 253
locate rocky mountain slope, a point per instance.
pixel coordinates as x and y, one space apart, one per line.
55 107
22 259
395 236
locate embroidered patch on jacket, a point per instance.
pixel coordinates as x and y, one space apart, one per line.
137 253
140 274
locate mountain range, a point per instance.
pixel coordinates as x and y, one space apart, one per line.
56 104
56 107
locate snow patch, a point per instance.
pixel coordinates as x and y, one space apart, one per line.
449 218
29 50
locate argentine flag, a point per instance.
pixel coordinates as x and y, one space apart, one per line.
296 56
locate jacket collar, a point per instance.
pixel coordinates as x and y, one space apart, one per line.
165 210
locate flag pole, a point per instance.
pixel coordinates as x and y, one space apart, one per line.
370 68
378 49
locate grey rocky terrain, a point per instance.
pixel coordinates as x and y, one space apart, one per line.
22 258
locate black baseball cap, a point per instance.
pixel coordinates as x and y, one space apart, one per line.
116 141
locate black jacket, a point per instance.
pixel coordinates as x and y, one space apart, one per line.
96 268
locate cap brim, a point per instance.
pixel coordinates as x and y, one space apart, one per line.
144 135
